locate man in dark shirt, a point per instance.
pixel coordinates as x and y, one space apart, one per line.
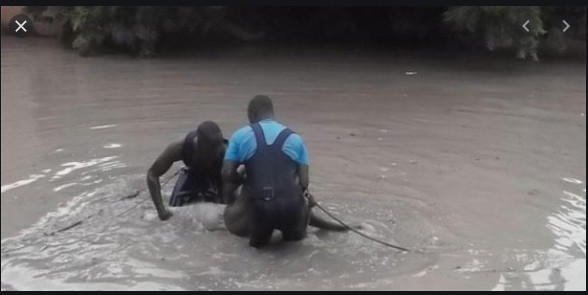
202 152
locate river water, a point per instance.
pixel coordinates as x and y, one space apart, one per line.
477 165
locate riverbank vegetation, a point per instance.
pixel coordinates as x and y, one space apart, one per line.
151 30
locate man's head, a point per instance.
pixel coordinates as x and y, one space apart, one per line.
260 107
209 135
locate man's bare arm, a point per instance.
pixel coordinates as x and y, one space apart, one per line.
316 221
231 180
303 177
304 181
170 155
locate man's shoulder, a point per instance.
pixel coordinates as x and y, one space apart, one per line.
241 133
295 138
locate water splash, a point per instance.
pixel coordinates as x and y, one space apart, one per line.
190 251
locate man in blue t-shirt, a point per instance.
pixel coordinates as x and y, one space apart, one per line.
276 168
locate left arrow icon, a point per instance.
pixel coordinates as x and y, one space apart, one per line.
525 26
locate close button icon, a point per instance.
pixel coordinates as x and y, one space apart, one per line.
20 25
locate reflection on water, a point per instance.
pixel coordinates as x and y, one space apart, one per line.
564 266
72 166
550 270
113 146
104 164
569 225
102 126
32 178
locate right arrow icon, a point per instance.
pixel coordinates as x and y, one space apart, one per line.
567 26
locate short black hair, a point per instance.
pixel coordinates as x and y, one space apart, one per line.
209 132
261 104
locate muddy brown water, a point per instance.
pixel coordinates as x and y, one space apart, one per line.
479 166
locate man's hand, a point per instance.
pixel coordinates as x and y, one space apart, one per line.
309 197
165 215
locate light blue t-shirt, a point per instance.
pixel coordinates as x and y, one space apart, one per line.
243 145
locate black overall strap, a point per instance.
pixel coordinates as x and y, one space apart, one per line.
259 136
281 139
278 142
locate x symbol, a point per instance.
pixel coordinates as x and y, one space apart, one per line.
20 26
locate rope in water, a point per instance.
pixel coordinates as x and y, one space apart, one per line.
358 232
137 205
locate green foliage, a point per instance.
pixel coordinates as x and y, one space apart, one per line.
139 30
145 30
500 26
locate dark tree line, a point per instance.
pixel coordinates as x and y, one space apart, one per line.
148 30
